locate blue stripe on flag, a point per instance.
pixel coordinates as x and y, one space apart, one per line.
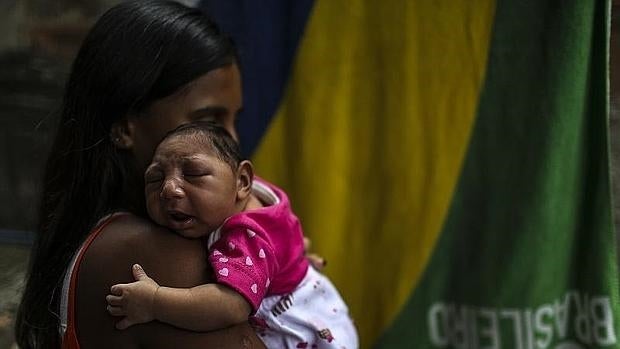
267 34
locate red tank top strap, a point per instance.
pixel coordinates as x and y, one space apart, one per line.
70 340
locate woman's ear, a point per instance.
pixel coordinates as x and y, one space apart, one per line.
122 133
245 176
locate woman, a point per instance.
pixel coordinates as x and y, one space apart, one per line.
145 68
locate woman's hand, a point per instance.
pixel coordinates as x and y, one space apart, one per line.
135 301
317 261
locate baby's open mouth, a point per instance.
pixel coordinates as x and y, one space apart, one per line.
179 217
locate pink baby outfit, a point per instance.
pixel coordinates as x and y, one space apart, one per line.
260 254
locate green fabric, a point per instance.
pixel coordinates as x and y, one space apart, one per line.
527 257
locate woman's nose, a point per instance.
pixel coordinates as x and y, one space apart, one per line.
172 189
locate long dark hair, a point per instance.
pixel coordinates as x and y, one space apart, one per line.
137 52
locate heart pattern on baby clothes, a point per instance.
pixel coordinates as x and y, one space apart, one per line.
248 260
223 271
261 253
254 288
250 233
223 259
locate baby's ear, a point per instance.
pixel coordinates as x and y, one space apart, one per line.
245 176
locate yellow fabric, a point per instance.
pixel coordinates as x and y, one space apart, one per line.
370 138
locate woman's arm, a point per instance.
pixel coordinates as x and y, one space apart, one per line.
172 260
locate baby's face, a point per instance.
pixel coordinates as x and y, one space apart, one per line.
188 189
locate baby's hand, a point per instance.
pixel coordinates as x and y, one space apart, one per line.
134 301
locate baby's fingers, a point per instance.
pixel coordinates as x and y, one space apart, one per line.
317 262
114 300
117 289
307 244
116 311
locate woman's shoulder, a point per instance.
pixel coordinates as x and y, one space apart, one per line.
170 259
131 232
127 226
127 239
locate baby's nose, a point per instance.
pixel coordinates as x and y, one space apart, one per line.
172 189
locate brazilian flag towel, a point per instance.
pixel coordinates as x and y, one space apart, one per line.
450 159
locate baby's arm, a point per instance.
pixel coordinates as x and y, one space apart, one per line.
201 308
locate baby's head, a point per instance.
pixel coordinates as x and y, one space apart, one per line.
197 179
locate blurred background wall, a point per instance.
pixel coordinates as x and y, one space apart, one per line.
39 39
614 102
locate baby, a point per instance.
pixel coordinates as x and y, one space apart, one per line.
199 186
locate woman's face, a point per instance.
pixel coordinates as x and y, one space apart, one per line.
215 96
